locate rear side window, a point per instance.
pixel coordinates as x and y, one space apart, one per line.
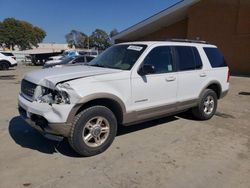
188 58
215 57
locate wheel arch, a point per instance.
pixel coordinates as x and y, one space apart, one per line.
215 86
114 103
6 61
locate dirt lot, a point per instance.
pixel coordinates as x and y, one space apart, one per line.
172 152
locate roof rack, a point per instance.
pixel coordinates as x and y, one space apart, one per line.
188 40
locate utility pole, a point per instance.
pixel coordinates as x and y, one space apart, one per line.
88 42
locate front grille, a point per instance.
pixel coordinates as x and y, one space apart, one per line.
28 88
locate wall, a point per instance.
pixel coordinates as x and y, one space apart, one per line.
176 30
225 23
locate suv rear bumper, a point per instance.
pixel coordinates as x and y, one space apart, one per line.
39 116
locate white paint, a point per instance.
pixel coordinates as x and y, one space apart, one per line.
135 91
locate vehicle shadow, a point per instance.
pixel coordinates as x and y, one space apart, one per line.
7 77
122 130
27 137
244 93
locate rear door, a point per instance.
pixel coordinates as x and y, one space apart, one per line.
190 74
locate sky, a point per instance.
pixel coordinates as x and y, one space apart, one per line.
59 17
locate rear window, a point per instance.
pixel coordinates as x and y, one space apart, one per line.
188 58
215 57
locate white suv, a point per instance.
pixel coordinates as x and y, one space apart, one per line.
7 60
128 83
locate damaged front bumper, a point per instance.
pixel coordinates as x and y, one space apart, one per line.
50 119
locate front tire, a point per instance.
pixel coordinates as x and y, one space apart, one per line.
207 105
93 131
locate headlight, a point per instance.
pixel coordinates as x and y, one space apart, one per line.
53 96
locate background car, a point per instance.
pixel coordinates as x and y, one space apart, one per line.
67 53
82 59
7 60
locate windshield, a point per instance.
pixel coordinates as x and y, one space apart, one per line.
119 57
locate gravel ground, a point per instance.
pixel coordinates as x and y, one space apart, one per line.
175 152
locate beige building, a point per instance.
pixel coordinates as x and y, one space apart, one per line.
225 23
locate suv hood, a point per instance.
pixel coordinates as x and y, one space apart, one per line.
51 76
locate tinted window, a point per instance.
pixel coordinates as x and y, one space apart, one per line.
185 58
89 58
215 57
93 53
161 59
198 62
7 54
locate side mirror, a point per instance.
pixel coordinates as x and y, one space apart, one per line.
146 69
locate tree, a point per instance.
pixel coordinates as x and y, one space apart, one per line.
76 38
39 34
99 39
21 33
1 36
113 33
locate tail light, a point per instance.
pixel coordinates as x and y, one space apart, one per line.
228 75
14 57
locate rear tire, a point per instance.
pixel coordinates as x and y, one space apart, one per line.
4 65
207 105
93 131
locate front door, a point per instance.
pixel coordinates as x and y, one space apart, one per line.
155 93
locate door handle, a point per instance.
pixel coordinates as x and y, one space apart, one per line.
170 78
203 74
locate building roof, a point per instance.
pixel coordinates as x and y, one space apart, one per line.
172 14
